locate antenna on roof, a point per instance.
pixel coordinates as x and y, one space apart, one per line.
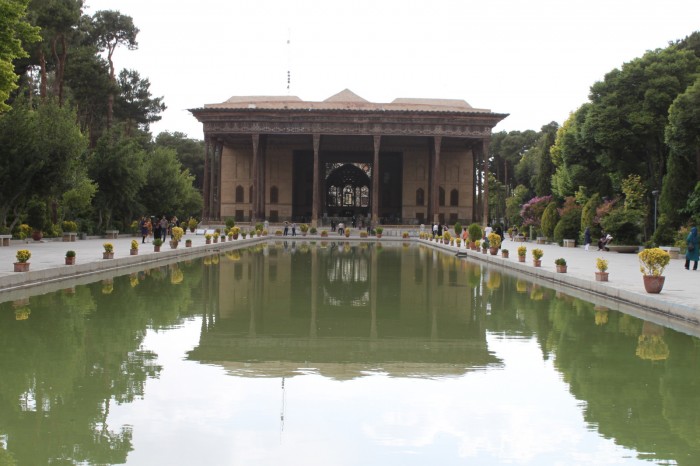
289 60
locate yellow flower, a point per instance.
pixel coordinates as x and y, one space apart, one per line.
653 261
23 255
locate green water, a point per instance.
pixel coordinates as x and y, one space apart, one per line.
335 354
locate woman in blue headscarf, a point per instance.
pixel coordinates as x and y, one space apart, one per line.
691 253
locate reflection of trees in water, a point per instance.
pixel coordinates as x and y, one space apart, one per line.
639 381
77 353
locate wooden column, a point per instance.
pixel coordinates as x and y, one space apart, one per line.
261 177
485 179
255 175
205 191
316 193
435 180
375 182
219 155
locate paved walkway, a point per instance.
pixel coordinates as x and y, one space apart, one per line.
678 300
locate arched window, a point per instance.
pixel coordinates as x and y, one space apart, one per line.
441 197
420 196
274 195
348 186
239 193
454 197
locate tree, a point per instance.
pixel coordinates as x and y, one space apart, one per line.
550 217
134 103
118 166
190 153
111 29
683 138
14 32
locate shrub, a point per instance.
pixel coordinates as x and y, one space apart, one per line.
550 218
192 223
304 227
379 230
109 247
653 261
177 233
522 251
537 254
559 261
568 226
623 225
70 253
69 225
458 229
23 255
474 232
313 230
157 242
230 223
134 244
494 240
601 264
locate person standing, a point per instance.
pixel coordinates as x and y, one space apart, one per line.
587 237
286 228
691 253
294 229
163 228
144 229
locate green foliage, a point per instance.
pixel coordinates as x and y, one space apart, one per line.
653 261
623 225
634 192
36 214
15 32
458 228
568 226
514 204
475 232
550 217
588 215
230 222
190 153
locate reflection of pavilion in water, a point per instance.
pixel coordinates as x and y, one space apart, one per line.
323 309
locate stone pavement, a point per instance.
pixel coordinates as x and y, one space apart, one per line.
677 302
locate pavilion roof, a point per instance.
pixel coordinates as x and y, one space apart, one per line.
346 100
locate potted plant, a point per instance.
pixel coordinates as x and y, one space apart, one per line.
446 237
653 261
494 243
177 234
404 235
109 251
70 257
244 233
22 256
522 251
378 231
207 238
363 234
602 265
188 243
475 234
223 237
157 243
485 245
313 230
561 265
458 229
504 253
304 229
324 233
458 241
192 224
537 257
347 232
235 231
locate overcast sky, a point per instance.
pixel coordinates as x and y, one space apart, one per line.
535 59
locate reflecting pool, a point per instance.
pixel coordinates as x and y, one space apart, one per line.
334 353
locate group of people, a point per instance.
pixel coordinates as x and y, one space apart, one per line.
158 229
293 227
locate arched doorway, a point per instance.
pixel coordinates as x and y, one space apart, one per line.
348 190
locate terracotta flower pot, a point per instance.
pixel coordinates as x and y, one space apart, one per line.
504 254
561 269
21 266
156 248
208 240
108 255
537 262
654 284
521 258
70 260
493 251
601 276
134 252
